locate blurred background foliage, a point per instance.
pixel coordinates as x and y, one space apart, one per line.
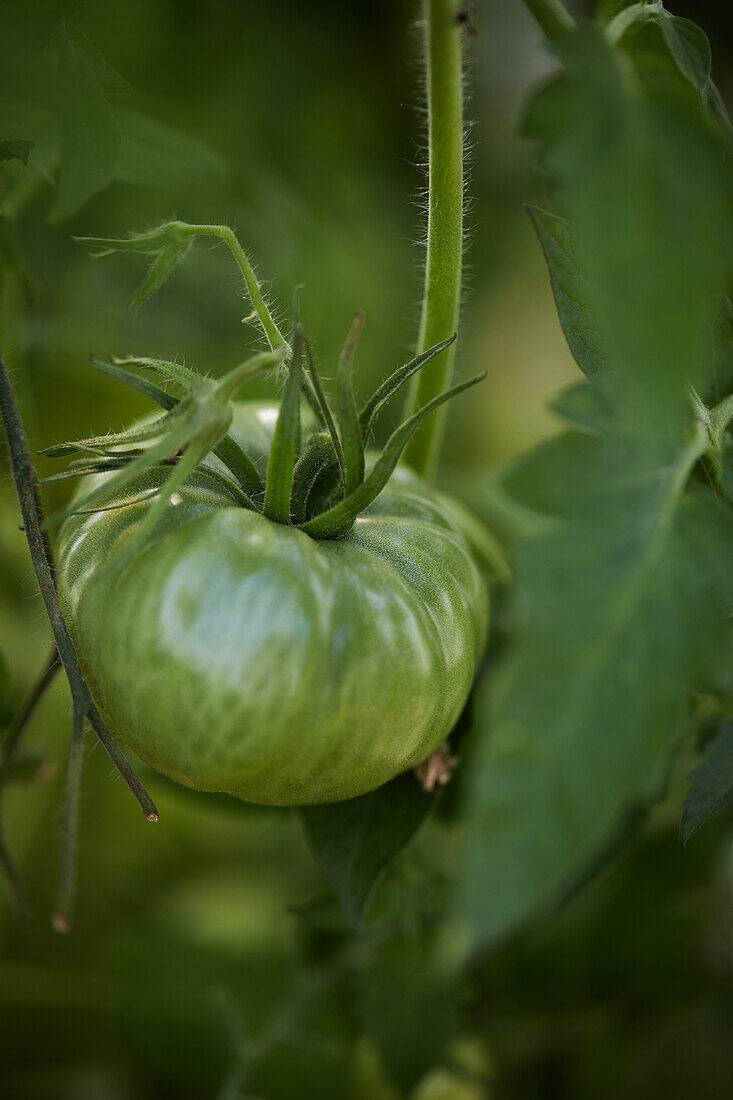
195 969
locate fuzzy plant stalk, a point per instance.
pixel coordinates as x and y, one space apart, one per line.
443 30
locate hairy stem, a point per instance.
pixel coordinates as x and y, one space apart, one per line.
442 287
274 337
552 15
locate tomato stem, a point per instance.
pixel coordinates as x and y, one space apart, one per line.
443 263
552 15
274 336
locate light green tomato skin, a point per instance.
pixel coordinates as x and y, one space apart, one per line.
234 654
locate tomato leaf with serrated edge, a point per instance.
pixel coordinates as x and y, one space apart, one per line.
634 161
617 617
617 610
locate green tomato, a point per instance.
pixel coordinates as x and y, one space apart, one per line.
236 654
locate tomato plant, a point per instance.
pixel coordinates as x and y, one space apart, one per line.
259 600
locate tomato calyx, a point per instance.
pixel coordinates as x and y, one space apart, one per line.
319 484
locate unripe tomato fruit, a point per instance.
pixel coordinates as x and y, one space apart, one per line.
236 654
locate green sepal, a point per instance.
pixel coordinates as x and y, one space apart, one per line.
189 380
337 521
227 451
142 385
240 465
306 383
191 458
195 427
326 413
285 441
102 444
317 457
84 468
348 419
381 396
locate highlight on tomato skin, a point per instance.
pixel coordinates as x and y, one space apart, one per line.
250 658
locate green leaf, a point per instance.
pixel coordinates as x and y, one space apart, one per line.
356 841
689 46
644 181
16 150
408 1001
154 154
618 610
160 270
322 913
142 385
105 74
558 239
617 616
90 135
584 405
685 44
169 243
711 785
